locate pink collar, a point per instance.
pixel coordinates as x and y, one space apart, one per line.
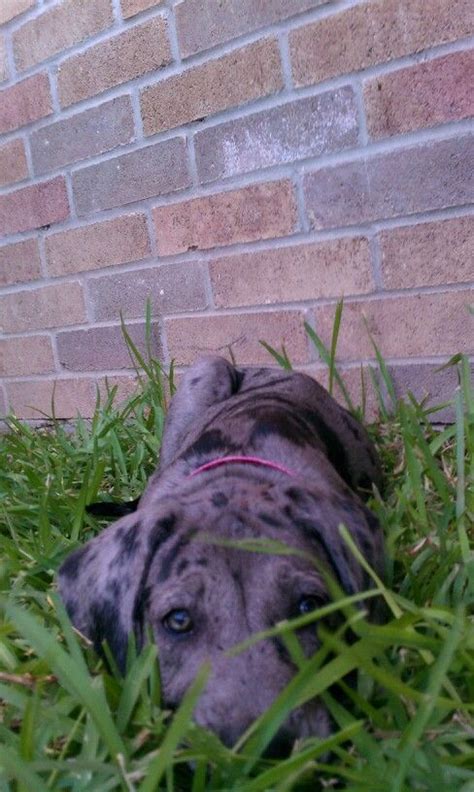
248 460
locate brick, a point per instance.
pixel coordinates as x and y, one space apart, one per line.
434 175
211 87
104 347
35 206
428 254
132 7
48 306
261 211
59 28
422 324
374 32
121 58
127 386
12 8
299 272
3 60
91 247
204 23
296 130
83 135
3 409
171 288
25 102
189 337
13 166
155 170
427 383
23 356
19 262
421 96
30 399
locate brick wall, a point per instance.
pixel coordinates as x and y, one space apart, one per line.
245 163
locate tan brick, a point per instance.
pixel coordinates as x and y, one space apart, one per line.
102 348
127 386
261 211
299 272
23 356
48 306
13 166
295 130
428 254
121 58
58 28
421 325
434 175
374 32
83 135
30 399
106 244
421 96
428 383
3 406
19 262
205 23
212 86
3 60
193 336
132 7
12 8
158 169
34 207
171 288
25 102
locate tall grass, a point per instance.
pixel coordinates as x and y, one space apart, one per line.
67 722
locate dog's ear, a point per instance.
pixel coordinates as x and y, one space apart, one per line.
101 582
320 518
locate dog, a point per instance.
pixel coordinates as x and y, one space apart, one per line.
246 453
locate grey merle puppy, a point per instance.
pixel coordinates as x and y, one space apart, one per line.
246 453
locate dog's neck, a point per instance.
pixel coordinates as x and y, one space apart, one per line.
247 460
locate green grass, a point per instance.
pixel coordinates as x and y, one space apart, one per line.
68 723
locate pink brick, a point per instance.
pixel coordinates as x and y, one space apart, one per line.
260 211
296 130
13 166
434 175
287 274
117 60
428 254
19 262
205 23
47 306
421 325
12 8
155 170
32 399
25 102
83 135
58 28
132 7
106 244
428 383
171 288
23 356
3 60
212 86
34 207
3 405
420 96
190 337
102 348
126 385
374 32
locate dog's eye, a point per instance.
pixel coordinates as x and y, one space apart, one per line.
307 604
178 621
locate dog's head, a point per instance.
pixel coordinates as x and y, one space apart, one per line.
180 572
